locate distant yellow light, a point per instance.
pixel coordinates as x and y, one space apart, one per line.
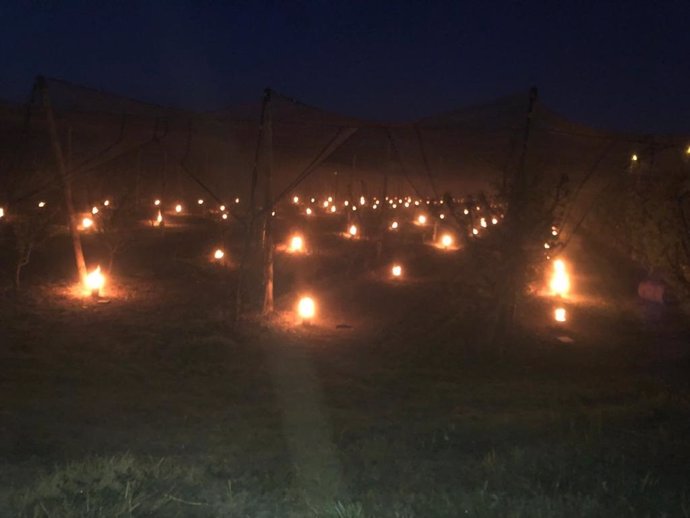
330 199
446 240
41 204
346 203
547 246
306 308
159 218
362 200
237 200
94 210
86 223
394 225
222 208
416 203
296 243
2 212
312 200
178 208
295 200
325 204
396 271
106 202
273 213
308 211
634 158
482 222
354 208
407 204
224 216
475 232
95 281
560 315
687 151
465 212
218 254
157 203
353 230
200 201
395 205
494 221
333 209
421 219
554 232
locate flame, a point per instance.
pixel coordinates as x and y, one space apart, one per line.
41 204
494 221
421 219
86 223
559 314
306 308
482 222
394 225
222 208
106 202
296 243
353 230
178 208
200 201
560 280
308 211
446 240
218 254
396 271
95 280
295 200
333 208
94 210
159 218
157 203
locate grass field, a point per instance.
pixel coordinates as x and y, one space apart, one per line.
390 406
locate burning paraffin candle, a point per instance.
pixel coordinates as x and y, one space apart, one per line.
559 314
306 309
560 280
296 244
95 281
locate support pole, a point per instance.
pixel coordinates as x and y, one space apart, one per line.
267 162
64 180
515 267
251 214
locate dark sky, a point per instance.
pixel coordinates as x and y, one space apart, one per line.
618 65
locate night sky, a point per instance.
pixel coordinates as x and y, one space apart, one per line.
619 65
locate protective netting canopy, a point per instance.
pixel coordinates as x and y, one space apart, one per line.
116 145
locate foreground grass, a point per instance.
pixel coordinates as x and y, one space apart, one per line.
508 447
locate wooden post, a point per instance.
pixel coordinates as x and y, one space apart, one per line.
251 214
516 228
64 180
267 162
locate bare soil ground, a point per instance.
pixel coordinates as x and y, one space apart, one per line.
154 405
